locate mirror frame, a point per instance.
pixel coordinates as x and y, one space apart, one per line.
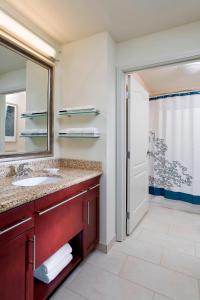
49 152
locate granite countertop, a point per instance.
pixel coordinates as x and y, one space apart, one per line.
12 196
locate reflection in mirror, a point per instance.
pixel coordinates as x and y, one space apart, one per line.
24 92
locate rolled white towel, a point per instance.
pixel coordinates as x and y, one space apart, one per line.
49 264
47 278
33 131
77 108
88 130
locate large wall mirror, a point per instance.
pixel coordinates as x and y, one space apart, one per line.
25 104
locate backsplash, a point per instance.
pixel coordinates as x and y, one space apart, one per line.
81 164
6 170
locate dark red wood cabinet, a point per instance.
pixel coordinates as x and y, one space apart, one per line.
91 220
30 233
16 268
17 253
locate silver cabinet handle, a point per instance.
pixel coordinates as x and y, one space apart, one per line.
93 187
88 213
16 225
32 262
59 204
34 252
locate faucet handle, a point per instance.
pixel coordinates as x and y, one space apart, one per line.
22 170
23 164
12 171
20 167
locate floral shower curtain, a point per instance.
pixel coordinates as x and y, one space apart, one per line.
174 149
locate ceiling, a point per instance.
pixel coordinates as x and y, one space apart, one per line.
179 77
10 61
69 20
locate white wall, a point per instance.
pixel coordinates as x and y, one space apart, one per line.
88 77
160 46
111 140
13 81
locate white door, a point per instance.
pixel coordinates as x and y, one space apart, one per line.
137 163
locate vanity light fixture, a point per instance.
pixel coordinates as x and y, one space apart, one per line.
21 33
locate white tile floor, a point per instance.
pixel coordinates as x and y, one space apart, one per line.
160 261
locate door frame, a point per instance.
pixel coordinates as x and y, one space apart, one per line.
121 131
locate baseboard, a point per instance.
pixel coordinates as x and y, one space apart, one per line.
106 248
174 204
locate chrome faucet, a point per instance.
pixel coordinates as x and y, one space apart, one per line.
23 170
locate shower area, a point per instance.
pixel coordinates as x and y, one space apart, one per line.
174 135
174 146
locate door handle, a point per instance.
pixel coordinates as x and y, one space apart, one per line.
88 213
15 225
32 260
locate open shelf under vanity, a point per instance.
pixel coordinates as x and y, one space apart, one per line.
43 290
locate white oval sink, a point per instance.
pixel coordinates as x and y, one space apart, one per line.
36 181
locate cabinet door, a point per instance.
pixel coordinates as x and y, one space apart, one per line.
91 220
16 268
56 225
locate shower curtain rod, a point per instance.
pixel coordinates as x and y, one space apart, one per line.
175 93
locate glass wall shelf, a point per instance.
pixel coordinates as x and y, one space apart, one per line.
33 135
31 116
79 113
93 136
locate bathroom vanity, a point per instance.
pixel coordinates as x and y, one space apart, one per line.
33 231
36 221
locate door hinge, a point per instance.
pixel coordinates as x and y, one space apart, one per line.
127 92
128 215
128 154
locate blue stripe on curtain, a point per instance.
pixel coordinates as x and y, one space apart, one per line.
174 195
174 95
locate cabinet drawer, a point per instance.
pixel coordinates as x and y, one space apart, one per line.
56 225
66 193
15 221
